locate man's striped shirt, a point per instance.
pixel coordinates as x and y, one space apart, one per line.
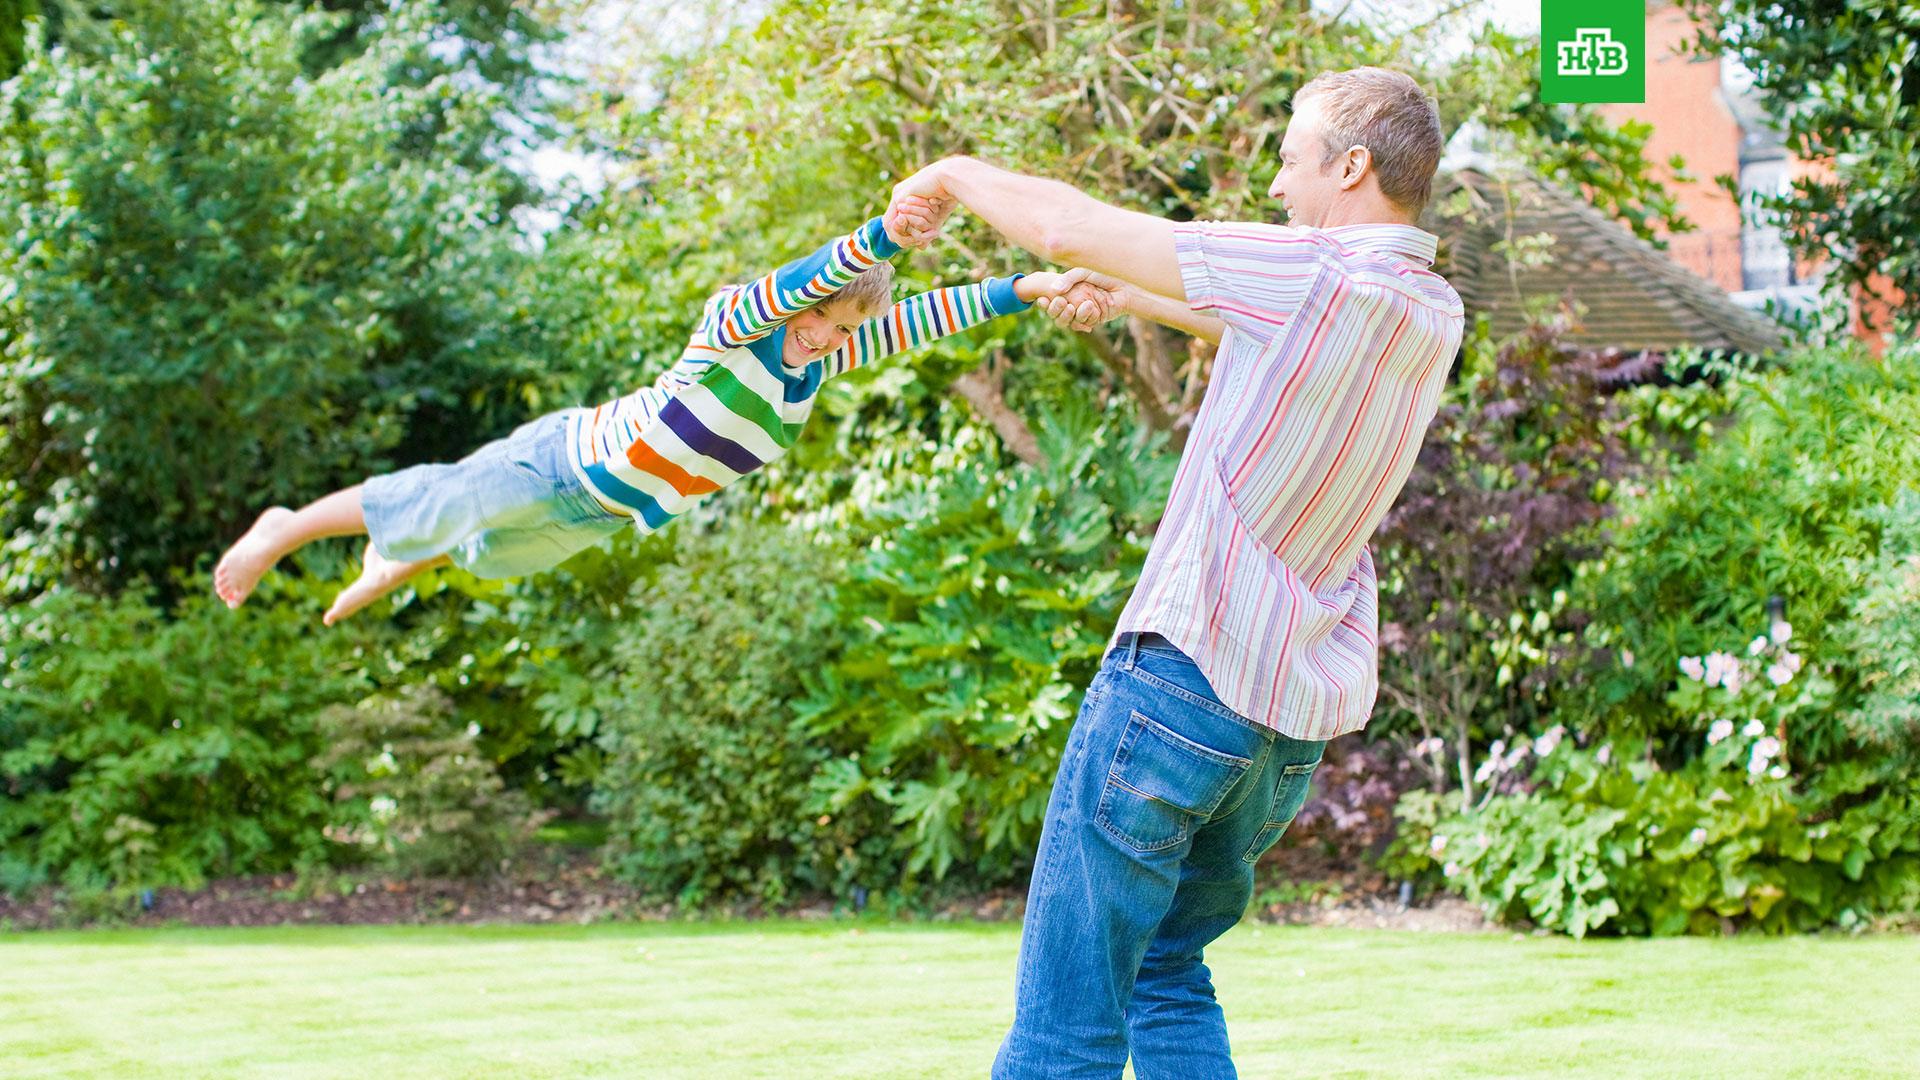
1338 345
729 405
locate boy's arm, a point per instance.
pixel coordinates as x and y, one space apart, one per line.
748 312
930 316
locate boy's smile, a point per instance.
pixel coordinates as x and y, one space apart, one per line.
819 330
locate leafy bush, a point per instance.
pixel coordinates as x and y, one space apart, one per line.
1772 780
230 282
1790 503
699 764
1479 553
417 791
142 748
1625 846
979 609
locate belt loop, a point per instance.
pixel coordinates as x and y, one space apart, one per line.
1133 649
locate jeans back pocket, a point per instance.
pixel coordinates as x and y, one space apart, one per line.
1161 783
1291 784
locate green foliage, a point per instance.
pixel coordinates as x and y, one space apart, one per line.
1516 474
698 762
13 17
980 607
414 788
1838 80
1882 633
228 284
1788 503
142 748
1631 848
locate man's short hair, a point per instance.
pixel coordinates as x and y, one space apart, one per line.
1390 115
871 291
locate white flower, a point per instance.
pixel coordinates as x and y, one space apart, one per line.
1791 660
1514 756
1626 657
1754 727
1450 869
1719 732
1605 756
1693 668
1757 646
1763 751
1722 669
473 730
1781 631
1485 772
1778 772
1549 740
1439 843
383 806
1779 674
1430 746
1653 830
1697 836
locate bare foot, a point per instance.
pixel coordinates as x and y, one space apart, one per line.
379 576
240 569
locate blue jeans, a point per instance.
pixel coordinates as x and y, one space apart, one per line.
1164 801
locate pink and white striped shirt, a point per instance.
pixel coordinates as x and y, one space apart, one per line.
1338 345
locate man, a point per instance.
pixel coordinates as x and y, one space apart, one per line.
1251 639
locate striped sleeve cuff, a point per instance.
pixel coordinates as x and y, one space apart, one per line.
878 242
1001 299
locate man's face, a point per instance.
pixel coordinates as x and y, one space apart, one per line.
1305 187
818 331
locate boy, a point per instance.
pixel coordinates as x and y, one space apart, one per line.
736 400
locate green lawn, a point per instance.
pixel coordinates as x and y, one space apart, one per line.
796 1000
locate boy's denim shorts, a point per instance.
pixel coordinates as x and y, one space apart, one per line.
511 508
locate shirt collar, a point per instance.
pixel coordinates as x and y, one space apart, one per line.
1409 242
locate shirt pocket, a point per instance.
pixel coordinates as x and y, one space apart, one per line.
1161 784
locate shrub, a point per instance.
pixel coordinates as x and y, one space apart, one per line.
229 282
138 748
699 763
416 791
979 609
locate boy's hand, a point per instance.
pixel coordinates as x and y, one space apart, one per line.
1082 299
914 221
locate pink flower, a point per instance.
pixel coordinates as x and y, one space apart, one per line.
1781 631
1719 732
1693 668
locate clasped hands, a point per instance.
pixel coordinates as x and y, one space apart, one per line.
1077 300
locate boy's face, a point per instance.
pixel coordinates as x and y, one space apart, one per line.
819 330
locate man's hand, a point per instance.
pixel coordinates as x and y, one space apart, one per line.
914 221
1085 299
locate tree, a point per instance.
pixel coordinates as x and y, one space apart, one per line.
1842 81
229 284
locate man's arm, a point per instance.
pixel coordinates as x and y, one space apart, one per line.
1056 222
1088 299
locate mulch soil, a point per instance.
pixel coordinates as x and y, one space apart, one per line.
572 888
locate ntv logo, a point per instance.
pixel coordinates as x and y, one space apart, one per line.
1592 52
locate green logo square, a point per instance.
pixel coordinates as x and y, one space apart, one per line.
1593 50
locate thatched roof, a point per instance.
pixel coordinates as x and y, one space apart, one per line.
1635 297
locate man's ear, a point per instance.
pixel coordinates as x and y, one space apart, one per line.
1354 166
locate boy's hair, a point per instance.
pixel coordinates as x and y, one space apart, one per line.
872 290
1389 114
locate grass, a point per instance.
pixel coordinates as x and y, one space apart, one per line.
877 1000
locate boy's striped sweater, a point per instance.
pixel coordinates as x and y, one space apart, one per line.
730 406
